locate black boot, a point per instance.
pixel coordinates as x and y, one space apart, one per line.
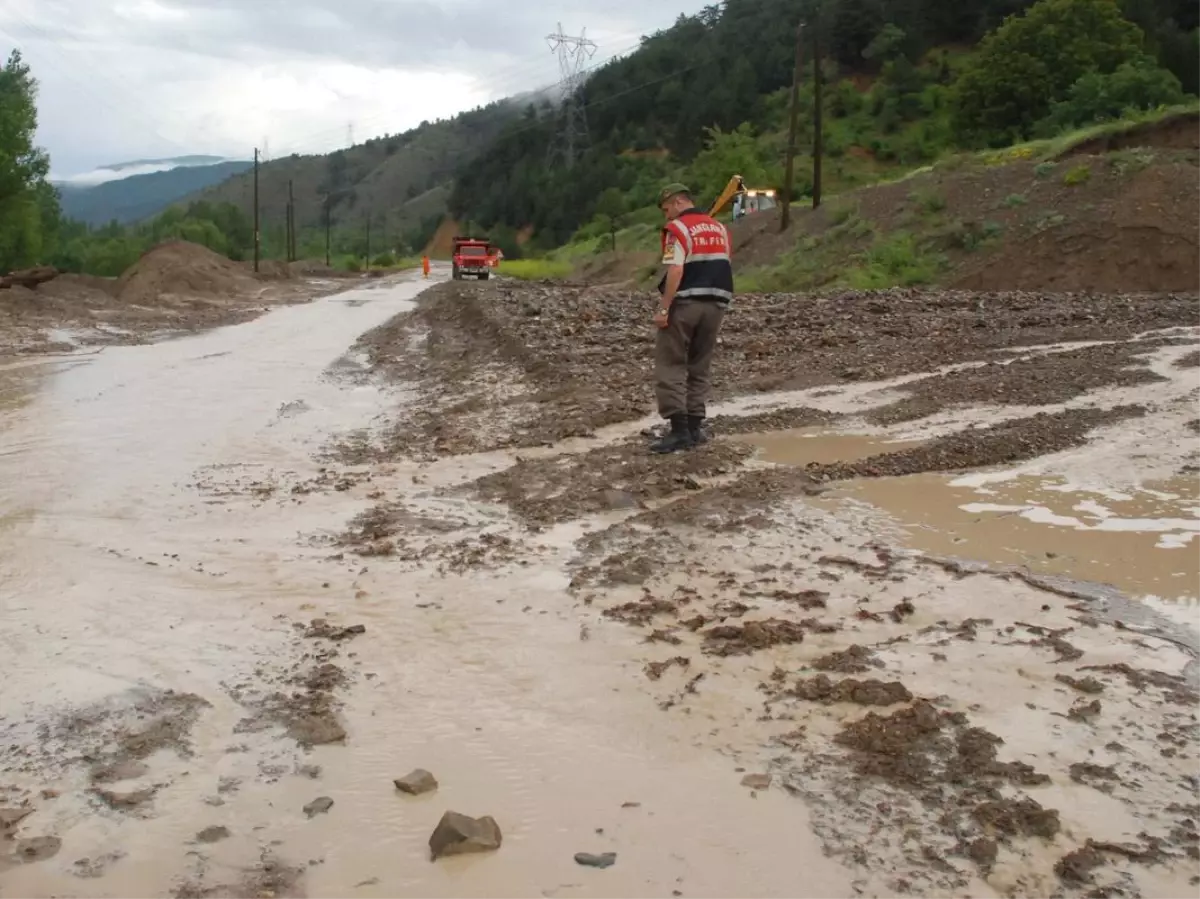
696 426
678 438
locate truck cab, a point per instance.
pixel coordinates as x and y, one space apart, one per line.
472 257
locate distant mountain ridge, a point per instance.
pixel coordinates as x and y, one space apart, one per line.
398 182
139 196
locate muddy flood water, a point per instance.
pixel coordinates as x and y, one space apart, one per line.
124 588
209 690
1143 540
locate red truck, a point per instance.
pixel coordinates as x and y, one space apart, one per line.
474 257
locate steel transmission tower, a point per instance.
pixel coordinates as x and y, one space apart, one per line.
572 51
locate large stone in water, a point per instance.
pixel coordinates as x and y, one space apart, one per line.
458 834
416 782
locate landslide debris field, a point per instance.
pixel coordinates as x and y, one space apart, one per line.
176 287
956 724
918 621
520 366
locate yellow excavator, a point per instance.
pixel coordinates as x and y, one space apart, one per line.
745 200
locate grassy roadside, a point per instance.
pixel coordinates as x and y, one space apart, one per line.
535 269
922 226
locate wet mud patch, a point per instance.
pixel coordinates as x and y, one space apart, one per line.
899 712
608 478
429 536
489 350
304 701
388 520
112 737
1011 441
270 878
1044 379
223 482
756 499
787 419
854 659
872 691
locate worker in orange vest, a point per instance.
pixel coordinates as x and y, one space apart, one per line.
425 266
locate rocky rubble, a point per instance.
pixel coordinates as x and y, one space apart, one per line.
562 361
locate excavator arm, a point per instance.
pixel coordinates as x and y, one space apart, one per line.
732 189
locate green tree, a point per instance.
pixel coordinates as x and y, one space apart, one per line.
1133 87
1031 61
28 205
726 154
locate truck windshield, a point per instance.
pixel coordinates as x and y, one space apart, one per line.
473 251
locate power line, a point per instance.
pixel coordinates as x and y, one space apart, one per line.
572 51
320 141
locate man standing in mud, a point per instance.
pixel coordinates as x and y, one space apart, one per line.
696 290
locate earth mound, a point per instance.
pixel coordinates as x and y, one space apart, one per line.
181 267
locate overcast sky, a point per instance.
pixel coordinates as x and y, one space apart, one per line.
136 79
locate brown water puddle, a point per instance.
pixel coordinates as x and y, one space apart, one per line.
19 381
803 446
1139 544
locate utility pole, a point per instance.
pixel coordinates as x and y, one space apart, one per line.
326 230
256 236
291 240
785 210
368 265
818 142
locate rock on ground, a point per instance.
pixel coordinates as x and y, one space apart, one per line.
458 834
318 806
416 782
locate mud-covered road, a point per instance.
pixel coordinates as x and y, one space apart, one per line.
919 621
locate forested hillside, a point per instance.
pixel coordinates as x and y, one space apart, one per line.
400 181
906 80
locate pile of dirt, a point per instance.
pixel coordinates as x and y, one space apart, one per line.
180 267
1141 237
70 286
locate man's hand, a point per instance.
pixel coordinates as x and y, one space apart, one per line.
662 318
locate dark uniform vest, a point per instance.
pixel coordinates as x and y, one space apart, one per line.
707 270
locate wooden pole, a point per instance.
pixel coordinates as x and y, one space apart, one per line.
818 103
256 222
785 208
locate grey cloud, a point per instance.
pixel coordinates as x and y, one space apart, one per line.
408 34
147 103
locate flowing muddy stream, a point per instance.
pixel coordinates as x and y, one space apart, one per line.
147 598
